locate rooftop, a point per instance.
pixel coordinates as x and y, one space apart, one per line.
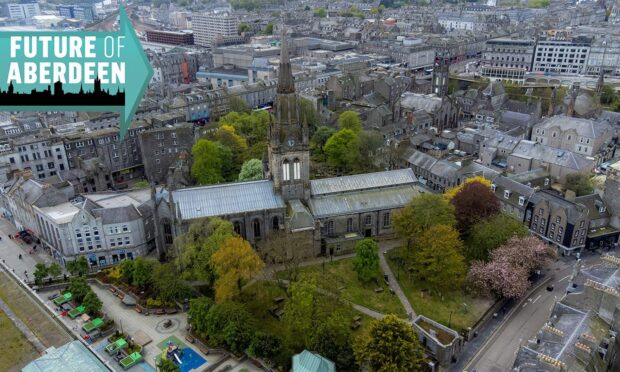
362 182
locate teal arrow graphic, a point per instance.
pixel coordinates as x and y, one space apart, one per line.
54 71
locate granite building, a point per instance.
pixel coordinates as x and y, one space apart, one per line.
162 146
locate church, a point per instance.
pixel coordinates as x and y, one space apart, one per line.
315 217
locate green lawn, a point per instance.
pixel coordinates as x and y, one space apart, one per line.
41 324
457 309
16 350
338 276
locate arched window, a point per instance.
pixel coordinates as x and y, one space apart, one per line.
330 227
237 227
275 223
167 230
286 176
256 227
296 169
368 220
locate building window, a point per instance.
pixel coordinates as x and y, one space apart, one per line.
167 231
275 223
546 181
330 227
581 223
551 235
285 171
507 194
349 225
368 220
521 200
256 226
296 169
237 227
387 219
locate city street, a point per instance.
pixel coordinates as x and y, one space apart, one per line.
499 350
10 250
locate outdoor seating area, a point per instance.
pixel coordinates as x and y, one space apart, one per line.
115 346
131 360
58 301
74 313
92 325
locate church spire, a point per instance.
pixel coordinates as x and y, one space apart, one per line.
285 77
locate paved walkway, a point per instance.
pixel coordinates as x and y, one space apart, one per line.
384 247
32 338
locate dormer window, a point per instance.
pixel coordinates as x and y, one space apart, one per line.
521 200
507 194
493 187
601 209
546 181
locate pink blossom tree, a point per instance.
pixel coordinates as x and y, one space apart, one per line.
506 274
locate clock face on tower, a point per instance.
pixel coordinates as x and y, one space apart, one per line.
290 142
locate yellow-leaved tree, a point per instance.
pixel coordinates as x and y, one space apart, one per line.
235 262
453 191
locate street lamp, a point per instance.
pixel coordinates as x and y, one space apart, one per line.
450 320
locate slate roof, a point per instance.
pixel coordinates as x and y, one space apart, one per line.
300 217
117 215
362 201
361 182
532 150
420 102
583 127
232 198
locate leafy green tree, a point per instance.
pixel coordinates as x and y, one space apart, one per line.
251 170
309 114
332 339
437 258
268 29
54 270
40 272
489 234
252 126
126 269
197 314
350 120
227 136
167 283
370 143
366 260
79 288
301 312
210 159
265 345
167 365
198 244
92 303
143 273
318 141
423 212
580 183
342 149
390 345
79 266
320 12
237 104
243 27
229 324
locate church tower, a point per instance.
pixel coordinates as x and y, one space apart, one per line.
288 149
441 76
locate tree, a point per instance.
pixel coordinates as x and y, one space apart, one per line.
490 233
54 270
437 258
370 142
265 345
472 204
332 339
506 274
227 136
420 214
318 141
366 260
40 272
268 29
580 183
198 244
229 324
342 149
92 303
243 27
320 12
236 104
391 345
197 314
350 120
79 266
142 273
167 283
251 170
309 114
79 288
126 268
209 158
449 194
235 262
167 365
300 312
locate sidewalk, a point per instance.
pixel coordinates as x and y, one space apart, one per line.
384 247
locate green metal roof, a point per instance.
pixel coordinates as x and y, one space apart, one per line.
71 357
307 361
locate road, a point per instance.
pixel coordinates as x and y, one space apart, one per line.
525 320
